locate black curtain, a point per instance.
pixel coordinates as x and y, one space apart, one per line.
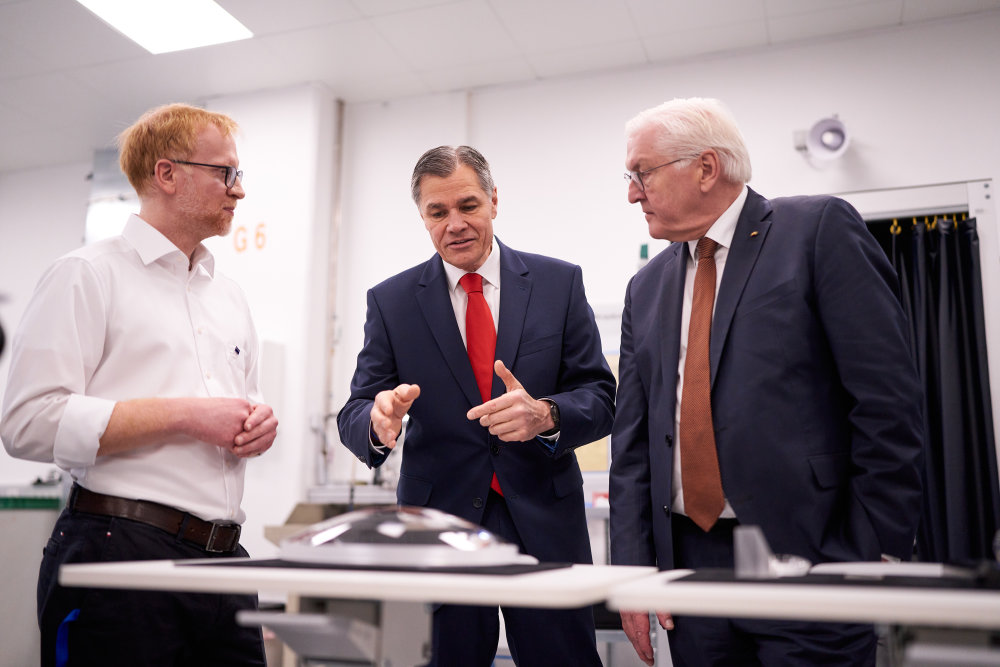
937 260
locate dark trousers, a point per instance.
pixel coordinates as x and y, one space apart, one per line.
702 641
107 627
466 636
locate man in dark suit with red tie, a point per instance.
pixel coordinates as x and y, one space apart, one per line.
495 410
765 379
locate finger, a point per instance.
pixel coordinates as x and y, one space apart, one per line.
636 626
666 620
483 410
508 430
268 427
642 645
385 434
491 407
403 397
259 413
255 445
506 376
407 393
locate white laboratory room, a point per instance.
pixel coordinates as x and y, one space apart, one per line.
495 333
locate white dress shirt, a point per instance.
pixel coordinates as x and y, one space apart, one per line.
490 271
721 232
121 319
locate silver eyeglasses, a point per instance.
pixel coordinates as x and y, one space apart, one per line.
636 176
232 173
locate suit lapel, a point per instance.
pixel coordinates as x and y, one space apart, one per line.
435 304
748 239
671 306
515 292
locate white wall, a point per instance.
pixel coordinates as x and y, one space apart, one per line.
920 103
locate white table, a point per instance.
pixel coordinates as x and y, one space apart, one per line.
400 599
956 607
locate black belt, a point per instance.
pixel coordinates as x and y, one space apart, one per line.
214 537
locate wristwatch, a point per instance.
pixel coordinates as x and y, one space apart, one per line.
554 413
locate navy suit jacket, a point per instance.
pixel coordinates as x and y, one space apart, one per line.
547 337
815 400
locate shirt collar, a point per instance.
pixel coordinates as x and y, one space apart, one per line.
490 270
723 229
152 245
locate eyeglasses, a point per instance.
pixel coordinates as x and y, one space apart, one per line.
232 173
636 176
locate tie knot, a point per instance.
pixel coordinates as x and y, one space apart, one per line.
706 247
471 282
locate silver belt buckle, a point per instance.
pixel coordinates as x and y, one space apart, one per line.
215 534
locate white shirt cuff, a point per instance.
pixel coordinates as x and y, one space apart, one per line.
78 436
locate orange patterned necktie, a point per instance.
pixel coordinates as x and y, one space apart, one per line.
700 478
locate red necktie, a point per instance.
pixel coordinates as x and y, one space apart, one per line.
480 341
700 477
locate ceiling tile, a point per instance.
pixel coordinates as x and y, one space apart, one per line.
17 62
262 19
850 17
355 49
923 10
465 33
795 7
657 17
383 7
699 41
63 34
589 58
562 24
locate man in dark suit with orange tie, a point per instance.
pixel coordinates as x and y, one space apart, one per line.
765 379
495 410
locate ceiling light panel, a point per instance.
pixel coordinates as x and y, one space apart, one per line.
162 27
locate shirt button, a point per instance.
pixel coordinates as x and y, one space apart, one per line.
208 376
495 449
477 503
666 510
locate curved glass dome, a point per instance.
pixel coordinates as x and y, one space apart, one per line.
400 536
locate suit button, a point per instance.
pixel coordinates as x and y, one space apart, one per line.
666 510
477 503
669 440
495 449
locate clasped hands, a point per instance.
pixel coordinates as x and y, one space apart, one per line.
513 417
246 429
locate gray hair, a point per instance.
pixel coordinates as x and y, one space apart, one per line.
444 160
686 127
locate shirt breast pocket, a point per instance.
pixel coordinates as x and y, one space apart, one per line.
236 355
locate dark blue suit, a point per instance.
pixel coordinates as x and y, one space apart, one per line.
815 399
547 337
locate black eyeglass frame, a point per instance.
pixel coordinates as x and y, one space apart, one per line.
636 176
232 173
